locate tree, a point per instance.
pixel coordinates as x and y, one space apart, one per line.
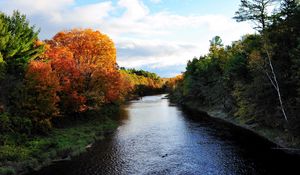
94 56
257 12
4 39
216 41
142 82
18 42
18 45
90 48
69 77
288 8
39 102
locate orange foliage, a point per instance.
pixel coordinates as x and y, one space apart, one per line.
42 87
139 82
85 61
77 71
91 49
70 79
171 83
127 85
108 82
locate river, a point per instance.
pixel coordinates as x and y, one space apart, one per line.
155 137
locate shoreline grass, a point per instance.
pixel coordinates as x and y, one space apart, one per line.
61 143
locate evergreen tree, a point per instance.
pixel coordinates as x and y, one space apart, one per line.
18 46
255 11
18 42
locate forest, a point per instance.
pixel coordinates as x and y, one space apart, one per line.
61 94
45 85
255 80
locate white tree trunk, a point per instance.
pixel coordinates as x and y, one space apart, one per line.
273 80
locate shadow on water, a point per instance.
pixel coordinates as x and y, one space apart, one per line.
262 153
156 138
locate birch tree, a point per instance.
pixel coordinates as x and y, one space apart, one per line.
258 12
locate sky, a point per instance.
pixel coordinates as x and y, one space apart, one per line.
154 35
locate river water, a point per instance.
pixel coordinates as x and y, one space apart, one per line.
155 137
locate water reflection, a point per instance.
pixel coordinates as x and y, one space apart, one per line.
156 138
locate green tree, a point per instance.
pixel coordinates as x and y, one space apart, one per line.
257 12
4 38
216 41
18 45
288 8
18 42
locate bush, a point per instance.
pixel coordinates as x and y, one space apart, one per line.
5 123
14 124
13 153
7 171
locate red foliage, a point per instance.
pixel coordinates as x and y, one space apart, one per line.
93 55
64 66
42 87
78 71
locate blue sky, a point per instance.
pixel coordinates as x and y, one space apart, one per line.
183 7
155 35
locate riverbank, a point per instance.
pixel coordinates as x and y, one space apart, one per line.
283 139
60 143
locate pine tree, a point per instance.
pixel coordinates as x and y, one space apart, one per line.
17 41
4 38
18 45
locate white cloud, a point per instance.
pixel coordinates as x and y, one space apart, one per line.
92 14
154 53
159 39
156 1
35 7
134 9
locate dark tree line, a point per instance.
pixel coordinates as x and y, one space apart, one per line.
255 79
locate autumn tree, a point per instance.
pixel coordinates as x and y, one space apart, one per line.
91 49
126 85
39 100
69 77
171 83
143 82
94 55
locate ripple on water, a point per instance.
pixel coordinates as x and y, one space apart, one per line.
156 138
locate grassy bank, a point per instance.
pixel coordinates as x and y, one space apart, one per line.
60 143
285 141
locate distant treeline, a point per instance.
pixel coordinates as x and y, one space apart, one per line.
256 79
142 82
